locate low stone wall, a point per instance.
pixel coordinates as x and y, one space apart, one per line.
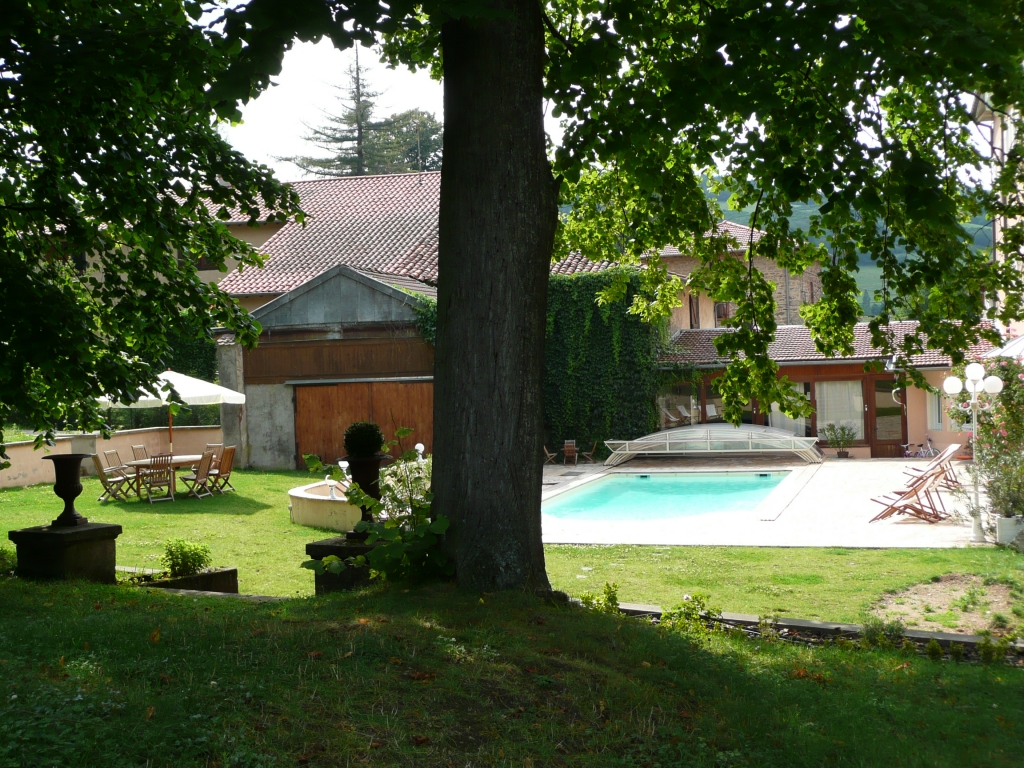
29 468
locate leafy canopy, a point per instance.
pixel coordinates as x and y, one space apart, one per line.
114 183
861 108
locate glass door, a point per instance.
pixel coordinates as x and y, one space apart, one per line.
887 416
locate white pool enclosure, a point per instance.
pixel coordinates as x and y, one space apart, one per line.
704 439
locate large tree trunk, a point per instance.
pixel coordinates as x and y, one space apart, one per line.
498 217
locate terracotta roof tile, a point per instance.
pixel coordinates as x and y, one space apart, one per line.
385 225
793 344
382 224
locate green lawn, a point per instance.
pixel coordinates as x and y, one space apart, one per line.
828 584
250 530
431 676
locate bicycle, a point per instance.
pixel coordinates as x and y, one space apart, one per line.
930 452
908 452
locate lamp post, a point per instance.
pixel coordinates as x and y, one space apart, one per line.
975 382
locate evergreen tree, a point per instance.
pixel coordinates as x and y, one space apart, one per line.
359 145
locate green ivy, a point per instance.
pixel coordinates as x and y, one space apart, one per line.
600 362
426 317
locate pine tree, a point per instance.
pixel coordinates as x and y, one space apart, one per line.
359 145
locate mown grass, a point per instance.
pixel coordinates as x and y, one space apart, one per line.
248 529
431 676
251 530
827 584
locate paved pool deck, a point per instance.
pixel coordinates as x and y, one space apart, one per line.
816 505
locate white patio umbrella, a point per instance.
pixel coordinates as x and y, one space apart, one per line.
192 392
1013 348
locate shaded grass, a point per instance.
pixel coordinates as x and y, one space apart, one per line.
829 584
433 677
248 529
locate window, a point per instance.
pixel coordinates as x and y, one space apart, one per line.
935 411
840 403
694 311
779 420
721 313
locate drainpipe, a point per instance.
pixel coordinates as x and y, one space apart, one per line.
786 277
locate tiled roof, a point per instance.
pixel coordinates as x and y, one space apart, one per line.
381 225
741 234
793 344
406 284
574 263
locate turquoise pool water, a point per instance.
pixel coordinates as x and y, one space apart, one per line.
661 496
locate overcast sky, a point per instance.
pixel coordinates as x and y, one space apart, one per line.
273 124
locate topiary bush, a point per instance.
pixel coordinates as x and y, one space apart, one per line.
185 558
363 440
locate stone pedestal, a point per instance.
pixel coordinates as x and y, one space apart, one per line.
86 551
339 546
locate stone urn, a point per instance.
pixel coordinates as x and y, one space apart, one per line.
365 471
67 467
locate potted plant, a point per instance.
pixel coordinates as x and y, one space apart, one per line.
1004 483
839 437
187 566
364 444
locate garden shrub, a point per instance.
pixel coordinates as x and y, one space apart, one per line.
934 650
185 558
606 602
8 559
402 520
363 440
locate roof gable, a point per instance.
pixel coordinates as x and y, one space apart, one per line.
340 296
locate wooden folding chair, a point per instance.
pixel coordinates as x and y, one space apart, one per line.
589 455
218 450
221 476
114 463
159 474
569 451
549 457
140 452
919 500
198 483
113 481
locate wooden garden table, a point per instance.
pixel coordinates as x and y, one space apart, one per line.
177 462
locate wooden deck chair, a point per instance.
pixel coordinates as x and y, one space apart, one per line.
221 476
140 452
569 452
549 457
712 411
589 455
113 481
159 474
198 482
944 463
685 414
671 419
917 501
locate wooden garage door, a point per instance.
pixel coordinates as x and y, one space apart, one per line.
324 412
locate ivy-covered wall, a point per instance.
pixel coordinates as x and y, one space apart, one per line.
600 364
601 374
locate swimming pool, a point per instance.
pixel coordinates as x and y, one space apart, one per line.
663 496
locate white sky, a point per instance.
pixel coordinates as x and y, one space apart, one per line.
273 124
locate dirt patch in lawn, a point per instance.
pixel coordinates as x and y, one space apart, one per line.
952 603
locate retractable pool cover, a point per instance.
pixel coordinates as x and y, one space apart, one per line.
703 439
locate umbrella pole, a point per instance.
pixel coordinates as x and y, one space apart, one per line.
170 432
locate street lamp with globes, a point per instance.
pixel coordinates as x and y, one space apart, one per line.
976 383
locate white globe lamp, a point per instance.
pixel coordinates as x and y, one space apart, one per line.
975 372
952 386
993 385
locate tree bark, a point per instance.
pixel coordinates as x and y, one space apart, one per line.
497 224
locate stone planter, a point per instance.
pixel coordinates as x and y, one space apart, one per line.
366 472
344 548
1007 529
842 454
210 580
